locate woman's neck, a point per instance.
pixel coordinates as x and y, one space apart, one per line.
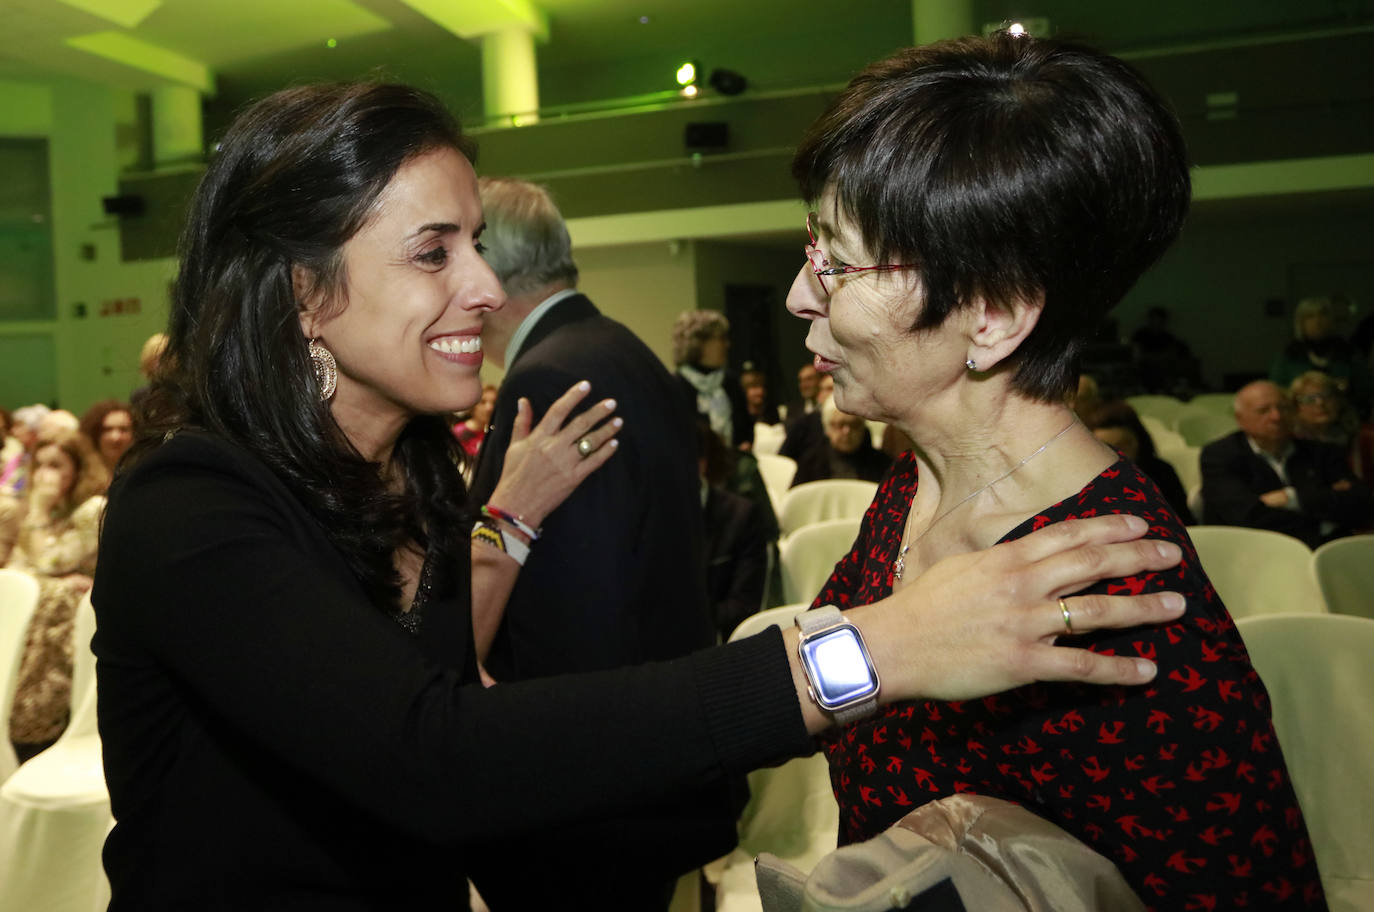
991 466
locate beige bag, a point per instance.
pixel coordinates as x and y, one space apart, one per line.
997 855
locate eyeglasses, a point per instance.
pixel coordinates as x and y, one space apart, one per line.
821 266
1313 399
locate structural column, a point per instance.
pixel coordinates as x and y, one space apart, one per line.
510 78
935 20
178 135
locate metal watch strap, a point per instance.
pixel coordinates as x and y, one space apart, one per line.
814 621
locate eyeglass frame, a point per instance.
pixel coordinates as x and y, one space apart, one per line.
825 269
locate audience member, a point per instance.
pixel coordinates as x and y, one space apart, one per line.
1164 360
845 450
1086 396
1116 424
149 360
807 399
25 424
701 348
806 432
756 398
56 542
1261 477
1320 412
11 451
617 575
738 536
473 429
109 425
1318 346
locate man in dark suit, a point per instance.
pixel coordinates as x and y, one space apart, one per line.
1261 477
618 575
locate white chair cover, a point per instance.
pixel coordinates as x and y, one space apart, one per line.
768 438
791 811
1201 428
778 472
1164 437
1256 571
1319 675
1345 573
18 599
814 501
808 555
55 811
1186 461
1165 408
1223 404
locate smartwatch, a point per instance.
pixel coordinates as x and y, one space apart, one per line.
840 675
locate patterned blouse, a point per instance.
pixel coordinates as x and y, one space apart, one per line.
1180 782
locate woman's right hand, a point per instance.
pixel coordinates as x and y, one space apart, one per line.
544 465
984 622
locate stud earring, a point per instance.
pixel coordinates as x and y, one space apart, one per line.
325 367
970 365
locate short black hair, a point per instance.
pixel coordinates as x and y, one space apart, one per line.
1007 167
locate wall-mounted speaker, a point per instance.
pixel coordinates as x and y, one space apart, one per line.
707 137
124 204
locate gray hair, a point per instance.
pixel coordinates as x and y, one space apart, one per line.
692 329
526 239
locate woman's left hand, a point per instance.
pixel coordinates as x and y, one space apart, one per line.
544 465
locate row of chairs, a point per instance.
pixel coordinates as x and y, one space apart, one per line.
55 809
1258 572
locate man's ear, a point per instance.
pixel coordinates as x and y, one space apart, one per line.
996 331
306 290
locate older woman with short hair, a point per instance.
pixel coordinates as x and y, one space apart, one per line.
701 349
979 206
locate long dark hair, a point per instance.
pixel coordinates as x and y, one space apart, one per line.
296 175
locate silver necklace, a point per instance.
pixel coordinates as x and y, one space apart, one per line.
899 564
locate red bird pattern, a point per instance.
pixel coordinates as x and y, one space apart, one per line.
1180 782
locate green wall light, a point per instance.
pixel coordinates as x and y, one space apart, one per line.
687 73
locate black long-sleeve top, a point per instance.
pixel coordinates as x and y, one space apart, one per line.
272 739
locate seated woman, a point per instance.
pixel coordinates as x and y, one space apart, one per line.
109 425
56 541
1117 425
845 451
996 197
1318 346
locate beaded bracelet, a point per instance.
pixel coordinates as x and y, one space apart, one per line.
488 534
511 519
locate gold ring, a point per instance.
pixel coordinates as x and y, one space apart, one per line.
584 447
1068 618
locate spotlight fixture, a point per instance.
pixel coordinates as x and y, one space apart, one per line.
727 82
687 73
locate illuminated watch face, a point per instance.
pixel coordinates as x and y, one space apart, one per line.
838 668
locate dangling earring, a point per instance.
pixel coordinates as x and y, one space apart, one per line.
325 367
969 364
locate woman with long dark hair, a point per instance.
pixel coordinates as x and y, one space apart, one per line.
290 694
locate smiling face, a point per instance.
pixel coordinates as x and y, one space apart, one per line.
861 332
405 331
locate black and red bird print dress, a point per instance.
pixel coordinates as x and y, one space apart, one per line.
1180 782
